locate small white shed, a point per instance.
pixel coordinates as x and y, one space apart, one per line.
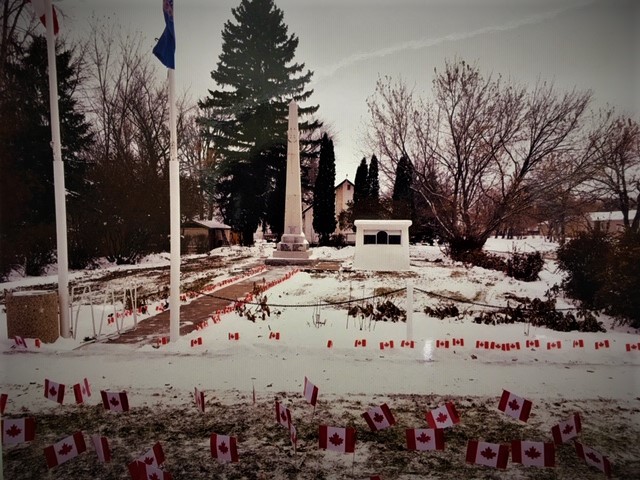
382 245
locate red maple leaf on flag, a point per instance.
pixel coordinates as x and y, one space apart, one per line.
488 453
154 477
567 429
514 405
532 453
148 460
593 457
52 391
223 448
423 438
114 401
65 449
378 417
14 431
442 417
336 439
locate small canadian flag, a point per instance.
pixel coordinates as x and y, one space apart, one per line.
533 343
567 429
310 392
425 439
224 448
633 347
442 343
82 391
234 336
3 402
18 430
483 344
458 342
515 406
533 454
337 439
283 415
379 418
408 344
444 416
578 343
154 457
115 401
142 471
199 398
65 450
388 344
557 345
602 344
54 391
19 341
274 335
593 458
489 454
196 341
101 445
360 343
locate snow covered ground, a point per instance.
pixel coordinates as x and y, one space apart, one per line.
585 377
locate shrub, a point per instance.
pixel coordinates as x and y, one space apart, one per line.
525 266
480 258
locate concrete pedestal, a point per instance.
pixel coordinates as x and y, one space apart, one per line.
33 315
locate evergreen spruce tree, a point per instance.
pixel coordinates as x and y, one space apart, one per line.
246 119
360 191
324 199
373 206
402 205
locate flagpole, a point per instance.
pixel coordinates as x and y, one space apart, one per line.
174 201
58 179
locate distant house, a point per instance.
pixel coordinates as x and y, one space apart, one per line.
200 236
608 221
344 195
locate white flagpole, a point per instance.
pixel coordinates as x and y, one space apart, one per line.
174 202
58 179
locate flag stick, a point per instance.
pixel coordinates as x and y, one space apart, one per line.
58 179
409 310
174 203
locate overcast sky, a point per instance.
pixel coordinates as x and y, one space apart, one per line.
349 44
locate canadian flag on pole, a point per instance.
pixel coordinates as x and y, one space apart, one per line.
54 391
18 430
425 439
115 401
337 439
444 416
593 458
199 398
224 448
283 415
515 406
141 471
489 454
3 402
379 418
533 454
154 457
40 11
82 391
101 445
310 392
567 429
65 450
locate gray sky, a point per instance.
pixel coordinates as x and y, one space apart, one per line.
349 44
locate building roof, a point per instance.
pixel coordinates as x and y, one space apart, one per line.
211 224
609 216
345 180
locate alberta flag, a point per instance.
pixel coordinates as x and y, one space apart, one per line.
165 49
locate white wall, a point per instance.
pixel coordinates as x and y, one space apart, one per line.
383 254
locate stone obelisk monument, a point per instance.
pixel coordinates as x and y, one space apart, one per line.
293 247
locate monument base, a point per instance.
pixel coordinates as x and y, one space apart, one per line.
292 250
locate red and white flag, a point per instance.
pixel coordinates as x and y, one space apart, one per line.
153 457
533 454
578 343
444 416
115 401
18 430
3 402
379 418
602 344
425 439
533 343
54 391
337 439
293 436
310 392
40 9
19 341
515 406
224 448
65 450
82 391
489 454
101 445
283 415
141 471
593 458
567 429
199 398
554 345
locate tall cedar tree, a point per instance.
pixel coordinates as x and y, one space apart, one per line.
246 118
324 199
371 206
403 204
27 216
360 190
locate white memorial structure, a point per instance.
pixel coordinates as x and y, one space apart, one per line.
293 247
382 245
